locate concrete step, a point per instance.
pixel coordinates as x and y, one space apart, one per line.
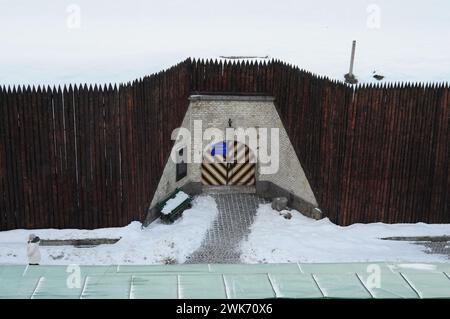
229 189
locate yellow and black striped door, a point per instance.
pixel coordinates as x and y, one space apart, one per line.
241 166
228 163
214 166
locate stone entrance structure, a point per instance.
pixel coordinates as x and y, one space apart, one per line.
220 112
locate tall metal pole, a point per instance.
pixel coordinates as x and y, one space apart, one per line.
352 59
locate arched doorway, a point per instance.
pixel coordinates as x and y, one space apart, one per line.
228 163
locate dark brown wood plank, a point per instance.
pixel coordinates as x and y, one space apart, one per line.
70 180
124 155
97 154
4 184
21 155
84 155
39 137
10 180
108 143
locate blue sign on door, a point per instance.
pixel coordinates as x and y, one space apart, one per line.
219 149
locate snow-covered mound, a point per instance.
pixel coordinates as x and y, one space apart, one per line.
156 244
274 239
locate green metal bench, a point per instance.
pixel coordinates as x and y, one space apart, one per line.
177 211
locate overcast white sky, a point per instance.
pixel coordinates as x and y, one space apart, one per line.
122 40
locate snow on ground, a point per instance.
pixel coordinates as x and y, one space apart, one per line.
274 239
156 244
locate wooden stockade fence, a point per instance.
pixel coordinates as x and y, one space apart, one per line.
86 157
90 157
